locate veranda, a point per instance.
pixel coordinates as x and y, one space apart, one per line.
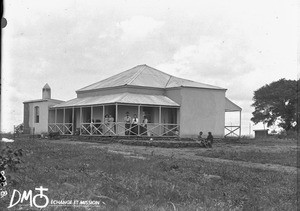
88 120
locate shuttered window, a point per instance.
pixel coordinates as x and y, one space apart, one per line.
36 114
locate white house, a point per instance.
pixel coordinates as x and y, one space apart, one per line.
36 112
174 107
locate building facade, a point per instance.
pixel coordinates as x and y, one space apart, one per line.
36 112
172 106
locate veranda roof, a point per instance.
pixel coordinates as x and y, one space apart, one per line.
122 98
230 106
145 76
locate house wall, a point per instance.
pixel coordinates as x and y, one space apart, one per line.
51 116
152 113
97 113
145 90
68 115
202 110
175 95
26 118
122 109
42 126
118 90
77 117
60 116
155 115
86 115
93 93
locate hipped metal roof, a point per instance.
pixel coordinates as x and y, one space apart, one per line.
145 76
122 98
230 106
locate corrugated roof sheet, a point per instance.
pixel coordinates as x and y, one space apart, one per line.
143 75
230 106
128 98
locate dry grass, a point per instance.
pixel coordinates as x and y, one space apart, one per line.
269 150
82 172
288 158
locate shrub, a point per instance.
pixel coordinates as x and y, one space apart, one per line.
11 163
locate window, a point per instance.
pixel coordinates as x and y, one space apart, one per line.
36 114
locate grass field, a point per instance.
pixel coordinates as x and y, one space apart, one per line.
85 171
272 151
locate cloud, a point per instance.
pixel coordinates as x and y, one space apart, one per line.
211 57
138 27
10 113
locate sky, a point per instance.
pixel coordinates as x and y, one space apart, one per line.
237 45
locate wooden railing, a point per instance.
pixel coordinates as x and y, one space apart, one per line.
116 129
231 131
62 128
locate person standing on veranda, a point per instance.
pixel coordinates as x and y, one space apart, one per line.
144 126
134 125
111 121
106 125
127 120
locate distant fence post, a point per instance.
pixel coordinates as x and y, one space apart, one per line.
33 130
14 133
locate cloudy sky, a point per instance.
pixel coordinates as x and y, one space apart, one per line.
238 45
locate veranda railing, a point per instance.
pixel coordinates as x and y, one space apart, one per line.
116 129
62 128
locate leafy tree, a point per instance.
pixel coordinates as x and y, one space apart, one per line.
276 102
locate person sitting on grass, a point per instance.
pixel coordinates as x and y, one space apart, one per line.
210 139
200 136
200 140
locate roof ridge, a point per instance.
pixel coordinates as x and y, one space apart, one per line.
168 81
159 70
197 82
170 76
137 74
107 78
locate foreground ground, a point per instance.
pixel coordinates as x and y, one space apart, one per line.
244 175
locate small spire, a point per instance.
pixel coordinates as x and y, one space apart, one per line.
46 92
46 86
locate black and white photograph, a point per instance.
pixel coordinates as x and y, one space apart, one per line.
149 105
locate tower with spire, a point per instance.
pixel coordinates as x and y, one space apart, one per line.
36 112
46 93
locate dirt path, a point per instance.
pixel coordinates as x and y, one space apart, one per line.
185 153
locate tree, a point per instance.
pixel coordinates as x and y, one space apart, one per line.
276 103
